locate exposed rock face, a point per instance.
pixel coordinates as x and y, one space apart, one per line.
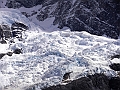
25 3
95 17
115 66
1 32
115 56
9 53
20 26
15 31
100 17
5 32
115 83
17 51
13 4
92 82
2 55
66 76
99 81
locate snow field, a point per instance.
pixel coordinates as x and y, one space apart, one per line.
47 56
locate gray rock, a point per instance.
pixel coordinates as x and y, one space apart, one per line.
5 33
25 3
97 17
115 66
92 82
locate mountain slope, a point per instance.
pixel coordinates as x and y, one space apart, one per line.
46 57
9 16
99 17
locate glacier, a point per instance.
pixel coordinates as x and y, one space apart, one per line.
48 56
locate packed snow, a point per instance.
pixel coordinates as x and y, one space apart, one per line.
47 57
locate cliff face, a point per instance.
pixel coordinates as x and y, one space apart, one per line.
100 17
92 82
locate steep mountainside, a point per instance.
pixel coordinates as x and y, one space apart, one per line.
41 59
100 17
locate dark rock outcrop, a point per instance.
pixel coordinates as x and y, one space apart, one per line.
13 4
94 16
17 51
20 26
1 32
100 81
25 3
115 66
66 76
5 32
3 41
92 82
114 83
115 56
15 31
2 55
9 53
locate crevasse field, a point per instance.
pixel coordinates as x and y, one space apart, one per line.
47 57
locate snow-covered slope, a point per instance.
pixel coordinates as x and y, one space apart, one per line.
48 56
97 17
9 16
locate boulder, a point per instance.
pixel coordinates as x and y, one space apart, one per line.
17 51
66 76
115 66
9 53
